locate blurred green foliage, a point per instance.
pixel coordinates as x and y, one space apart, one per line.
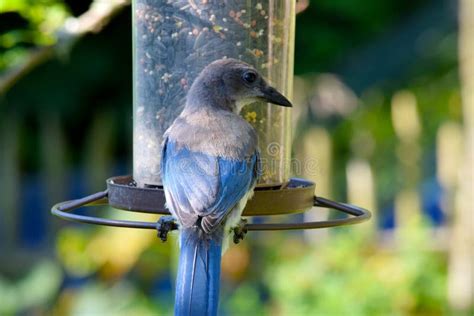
35 289
330 29
351 274
36 26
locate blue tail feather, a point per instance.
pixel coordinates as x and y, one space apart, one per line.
197 283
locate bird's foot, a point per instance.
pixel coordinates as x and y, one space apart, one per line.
164 225
240 231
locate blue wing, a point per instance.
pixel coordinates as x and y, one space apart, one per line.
198 185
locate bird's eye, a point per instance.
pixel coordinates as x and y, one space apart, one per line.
249 76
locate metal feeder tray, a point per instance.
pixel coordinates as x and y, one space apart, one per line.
295 197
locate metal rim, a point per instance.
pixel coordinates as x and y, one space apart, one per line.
64 209
295 197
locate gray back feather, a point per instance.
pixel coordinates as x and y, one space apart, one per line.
214 132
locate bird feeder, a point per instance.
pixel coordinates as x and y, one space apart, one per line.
175 40
172 42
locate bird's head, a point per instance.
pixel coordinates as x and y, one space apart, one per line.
231 84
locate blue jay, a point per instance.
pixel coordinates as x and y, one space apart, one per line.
209 168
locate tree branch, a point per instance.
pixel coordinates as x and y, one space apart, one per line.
91 21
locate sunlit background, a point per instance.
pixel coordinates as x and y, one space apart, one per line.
384 111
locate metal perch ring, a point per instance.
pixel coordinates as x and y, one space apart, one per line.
64 209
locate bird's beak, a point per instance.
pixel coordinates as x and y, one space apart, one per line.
271 95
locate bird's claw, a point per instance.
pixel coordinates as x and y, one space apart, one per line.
240 231
164 225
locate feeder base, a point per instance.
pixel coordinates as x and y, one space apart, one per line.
122 194
296 197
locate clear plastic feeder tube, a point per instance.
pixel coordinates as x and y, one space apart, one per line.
175 40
